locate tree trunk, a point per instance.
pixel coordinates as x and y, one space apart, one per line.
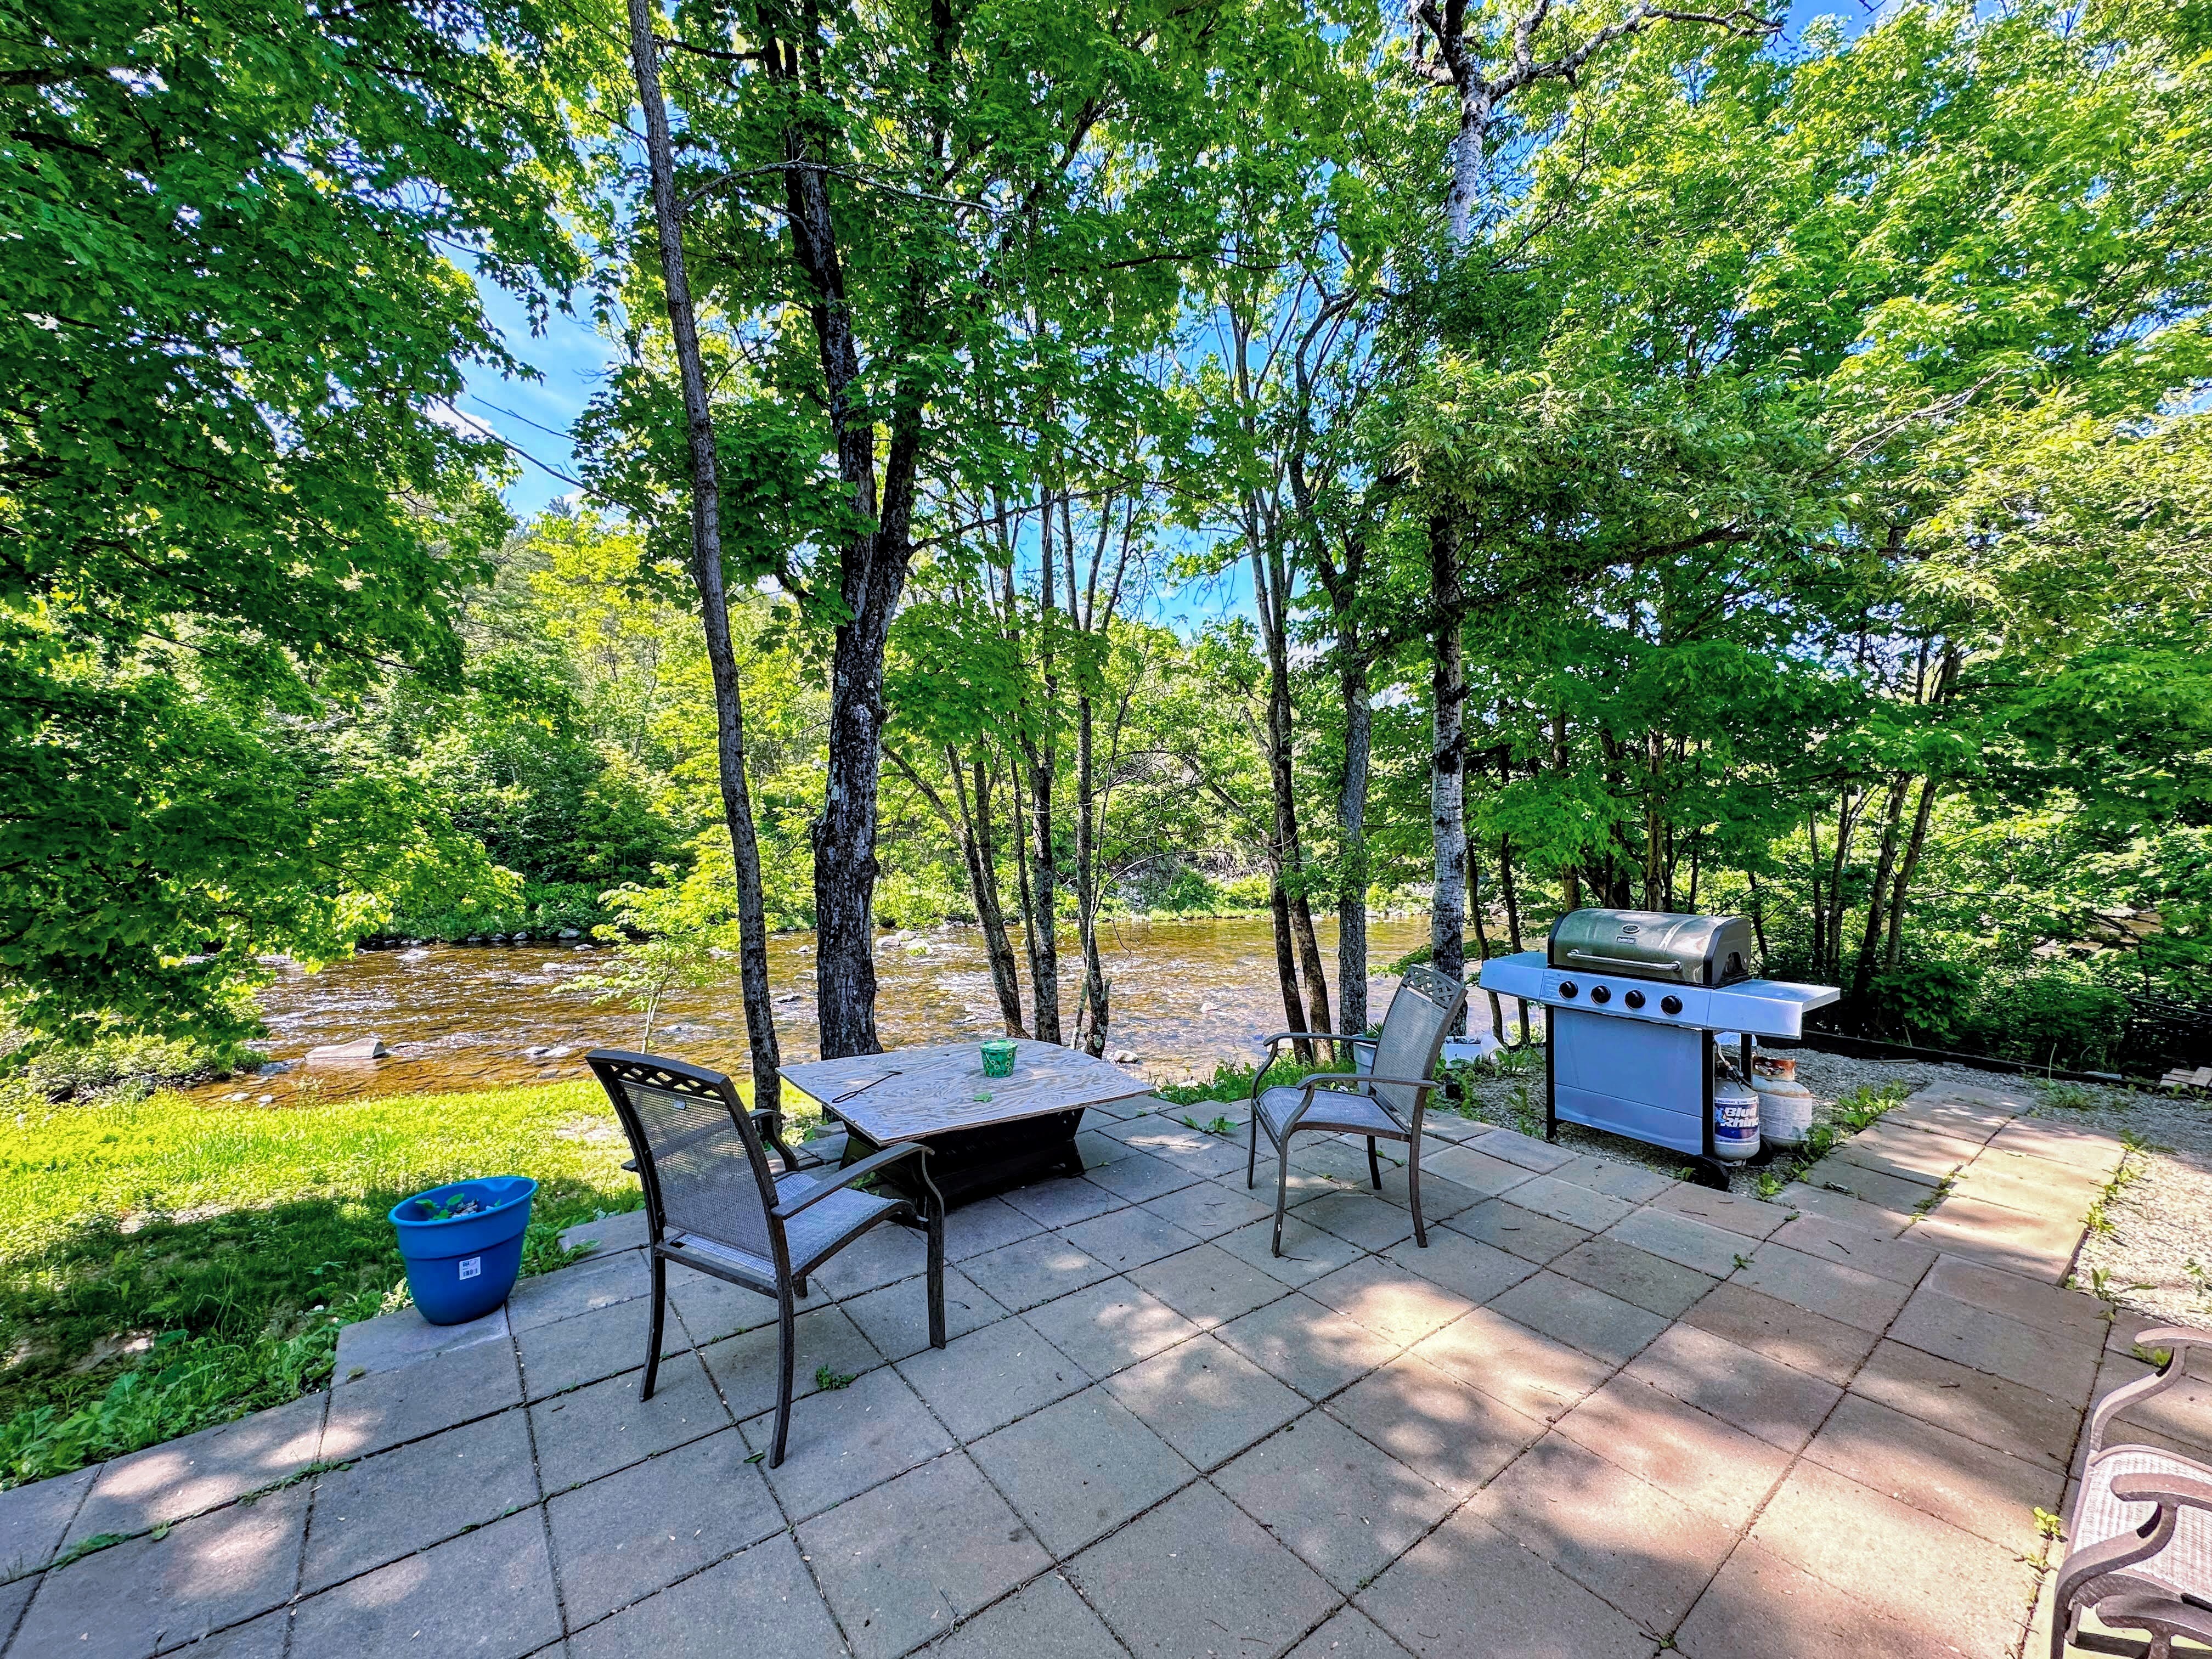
706 575
1475 918
1044 870
1905 873
1286 962
1878 890
984 880
1448 757
1091 1017
1847 821
1024 889
1352 835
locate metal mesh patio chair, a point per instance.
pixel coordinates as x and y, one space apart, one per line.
2140 1554
713 1203
1384 1101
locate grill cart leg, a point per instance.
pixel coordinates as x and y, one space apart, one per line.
1551 1082
1710 1171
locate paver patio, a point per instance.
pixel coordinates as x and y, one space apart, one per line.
1602 1414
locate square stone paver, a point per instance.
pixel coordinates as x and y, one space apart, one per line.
1653 1284
1196 1577
985 1380
1389 1301
1765 1398
1468 1577
1679 1239
1761 1606
1842 1208
1924 1152
1505 1225
183 1477
1348 1633
488 1593
844 1441
1315 1349
33 1518
1563 1200
1526 1151
2068 1314
1824 1286
1977 1489
1943 1325
1207 1209
1206 1399
1367 1219
896 1318
1047 1621
1473 1168
1710 1465
1453 1435
2041 1247
901 1563
883 1255
384 1507
712 1309
596 1430
1632 1181
570 1352
1064 1202
1023 1275
1207 1285
1080 1468
1308 1252
1344 1508
393 1341
1751 1216
1129 1238
589 1285
986 1224
1535 1375
758 1602
2026 1422
1110 1325
1880 1188
1137 1176
745 1367
1885 1551
627 1230
124 1602
637 1531
1900 1261
1467 1267
386 1407
1808 1341
2088 1151
1600 1325
1647 1552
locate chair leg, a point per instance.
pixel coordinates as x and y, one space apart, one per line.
934 1210
1413 1190
653 1326
1252 1153
1282 1187
1374 1165
786 1339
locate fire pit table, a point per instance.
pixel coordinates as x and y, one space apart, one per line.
983 1132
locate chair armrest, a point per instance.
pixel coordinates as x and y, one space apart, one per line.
2164 1489
2175 1339
847 1176
2086 1566
1304 1036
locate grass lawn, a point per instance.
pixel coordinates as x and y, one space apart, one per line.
166 1265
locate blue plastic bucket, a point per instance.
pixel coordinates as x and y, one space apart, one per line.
459 1268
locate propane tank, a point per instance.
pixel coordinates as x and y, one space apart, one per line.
1786 1105
1735 1119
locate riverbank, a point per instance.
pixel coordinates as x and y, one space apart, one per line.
167 1264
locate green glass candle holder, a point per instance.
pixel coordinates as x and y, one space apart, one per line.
998 1057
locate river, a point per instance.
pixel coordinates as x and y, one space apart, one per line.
1186 996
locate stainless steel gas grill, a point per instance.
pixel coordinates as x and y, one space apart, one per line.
1634 999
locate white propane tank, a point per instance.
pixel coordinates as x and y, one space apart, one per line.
1786 1105
1735 1119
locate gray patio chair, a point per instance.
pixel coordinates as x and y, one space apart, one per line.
2140 1550
1384 1100
713 1203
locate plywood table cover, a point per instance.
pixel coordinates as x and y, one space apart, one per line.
983 1132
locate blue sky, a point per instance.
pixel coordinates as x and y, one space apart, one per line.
571 358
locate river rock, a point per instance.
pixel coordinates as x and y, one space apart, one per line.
367 1047
570 933
1126 1057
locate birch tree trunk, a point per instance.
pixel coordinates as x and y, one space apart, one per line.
706 573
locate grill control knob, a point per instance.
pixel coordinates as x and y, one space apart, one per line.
1670 1005
1599 994
1634 999
1566 987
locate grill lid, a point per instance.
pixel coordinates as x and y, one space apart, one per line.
1654 944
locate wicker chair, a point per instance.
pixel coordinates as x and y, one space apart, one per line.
2140 1554
713 1203
1384 1100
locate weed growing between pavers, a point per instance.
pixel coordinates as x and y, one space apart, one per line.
165 1265
1854 1112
